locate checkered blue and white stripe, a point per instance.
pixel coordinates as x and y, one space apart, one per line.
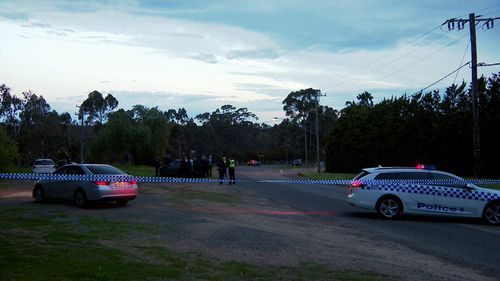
436 190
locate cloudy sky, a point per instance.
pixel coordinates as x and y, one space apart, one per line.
201 55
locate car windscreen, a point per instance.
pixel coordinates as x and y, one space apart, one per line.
44 162
104 170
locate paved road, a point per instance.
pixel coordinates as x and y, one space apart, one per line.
464 242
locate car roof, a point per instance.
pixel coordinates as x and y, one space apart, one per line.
397 169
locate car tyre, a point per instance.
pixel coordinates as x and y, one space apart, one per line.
389 207
80 198
121 202
39 194
491 213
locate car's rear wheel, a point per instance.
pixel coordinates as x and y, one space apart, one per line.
491 213
389 207
121 202
39 195
80 198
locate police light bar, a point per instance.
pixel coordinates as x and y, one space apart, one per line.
426 167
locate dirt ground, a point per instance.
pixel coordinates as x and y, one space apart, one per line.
232 224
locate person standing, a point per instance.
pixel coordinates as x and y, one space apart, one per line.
221 168
157 166
210 165
232 166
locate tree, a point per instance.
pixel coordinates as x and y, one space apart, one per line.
40 133
297 105
8 151
97 108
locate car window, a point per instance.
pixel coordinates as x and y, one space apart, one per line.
75 170
437 176
60 171
454 182
104 170
44 162
414 176
387 176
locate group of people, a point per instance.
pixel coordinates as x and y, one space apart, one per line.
224 165
188 167
200 168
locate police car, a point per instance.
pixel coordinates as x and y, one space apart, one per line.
393 191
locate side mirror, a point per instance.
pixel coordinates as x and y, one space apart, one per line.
470 187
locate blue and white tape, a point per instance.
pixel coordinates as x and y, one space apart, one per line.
59 177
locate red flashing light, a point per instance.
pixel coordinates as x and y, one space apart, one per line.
420 166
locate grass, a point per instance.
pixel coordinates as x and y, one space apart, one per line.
137 170
54 245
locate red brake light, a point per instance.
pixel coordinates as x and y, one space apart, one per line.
133 182
102 182
420 166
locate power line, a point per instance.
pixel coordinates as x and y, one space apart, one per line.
448 75
462 61
422 59
407 53
389 54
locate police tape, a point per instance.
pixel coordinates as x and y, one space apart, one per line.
129 178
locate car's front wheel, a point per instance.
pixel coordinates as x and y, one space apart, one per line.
491 213
39 195
80 198
389 207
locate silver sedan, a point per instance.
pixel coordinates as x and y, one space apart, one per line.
81 191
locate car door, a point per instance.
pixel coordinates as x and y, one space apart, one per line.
443 198
412 193
454 197
52 187
70 186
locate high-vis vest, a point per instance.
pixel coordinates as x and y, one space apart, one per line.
232 163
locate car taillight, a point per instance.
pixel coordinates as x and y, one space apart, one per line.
357 184
102 182
133 182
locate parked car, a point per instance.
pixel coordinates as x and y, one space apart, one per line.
44 166
297 162
173 169
444 194
253 163
82 191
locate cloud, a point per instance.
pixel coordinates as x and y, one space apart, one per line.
57 33
14 15
207 58
36 25
252 54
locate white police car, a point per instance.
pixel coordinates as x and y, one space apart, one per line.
392 191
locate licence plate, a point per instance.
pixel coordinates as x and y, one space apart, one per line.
122 184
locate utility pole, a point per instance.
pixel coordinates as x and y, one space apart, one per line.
460 24
318 162
80 115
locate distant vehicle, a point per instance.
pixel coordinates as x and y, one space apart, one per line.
171 170
449 195
253 163
83 191
297 162
44 166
